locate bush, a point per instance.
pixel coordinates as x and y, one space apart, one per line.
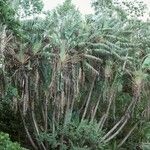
75 136
7 144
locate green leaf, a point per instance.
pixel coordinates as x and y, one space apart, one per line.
146 63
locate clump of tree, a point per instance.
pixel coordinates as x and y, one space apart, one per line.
74 82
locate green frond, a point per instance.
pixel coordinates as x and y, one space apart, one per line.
89 67
98 45
101 52
92 58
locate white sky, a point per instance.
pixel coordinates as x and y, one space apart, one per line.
83 5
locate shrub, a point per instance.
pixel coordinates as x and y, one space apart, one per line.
75 136
7 144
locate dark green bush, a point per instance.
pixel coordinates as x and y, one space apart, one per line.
7 144
75 136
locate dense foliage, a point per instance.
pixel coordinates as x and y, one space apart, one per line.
6 144
74 82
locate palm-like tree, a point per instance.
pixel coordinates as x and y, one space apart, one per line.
64 57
